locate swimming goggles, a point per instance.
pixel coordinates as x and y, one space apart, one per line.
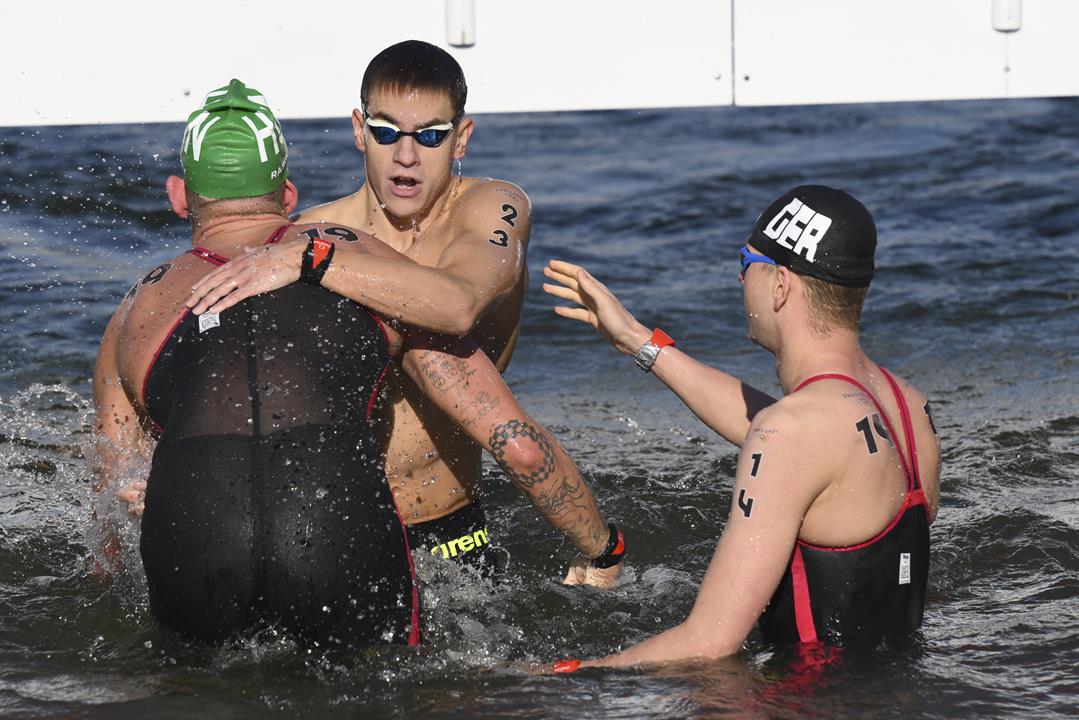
749 258
386 133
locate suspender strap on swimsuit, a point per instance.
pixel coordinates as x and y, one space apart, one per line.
908 430
912 478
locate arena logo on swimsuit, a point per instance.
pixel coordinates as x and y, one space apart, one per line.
463 544
799 228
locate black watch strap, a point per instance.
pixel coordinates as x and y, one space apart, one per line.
615 550
316 260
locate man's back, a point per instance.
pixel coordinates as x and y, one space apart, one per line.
266 490
861 559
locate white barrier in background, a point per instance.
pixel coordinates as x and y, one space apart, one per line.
127 61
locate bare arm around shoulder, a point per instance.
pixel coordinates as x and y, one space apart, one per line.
481 263
121 448
772 493
466 385
722 401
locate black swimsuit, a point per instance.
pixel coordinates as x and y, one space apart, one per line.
864 592
267 501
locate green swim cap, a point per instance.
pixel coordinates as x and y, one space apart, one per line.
233 146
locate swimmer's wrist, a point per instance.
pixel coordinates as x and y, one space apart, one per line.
614 552
632 339
316 260
646 355
566 666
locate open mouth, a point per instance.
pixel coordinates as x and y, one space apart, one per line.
404 187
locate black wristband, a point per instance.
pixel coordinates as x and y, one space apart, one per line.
309 271
615 550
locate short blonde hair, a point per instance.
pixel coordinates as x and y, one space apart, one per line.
832 306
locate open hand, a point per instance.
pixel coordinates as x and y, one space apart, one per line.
597 306
255 272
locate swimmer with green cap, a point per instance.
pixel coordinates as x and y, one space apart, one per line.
240 402
233 146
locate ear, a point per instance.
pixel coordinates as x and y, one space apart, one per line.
358 128
781 287
176 189
292 197
464 132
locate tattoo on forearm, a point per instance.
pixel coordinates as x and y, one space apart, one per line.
514 430
444 372
480 406
562 499
568 506
565 501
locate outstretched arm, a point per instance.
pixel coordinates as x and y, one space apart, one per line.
721 401
465 385
479 266
770 499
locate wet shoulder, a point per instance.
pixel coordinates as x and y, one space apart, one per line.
157 297
346 211
823 411
916 400
794 416
172 278
490 191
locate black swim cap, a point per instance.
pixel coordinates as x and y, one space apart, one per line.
820 232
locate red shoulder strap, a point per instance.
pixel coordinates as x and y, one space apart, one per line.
208 255
278 234
908 429
912 478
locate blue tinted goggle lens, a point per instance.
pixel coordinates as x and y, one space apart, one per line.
387 134
748 258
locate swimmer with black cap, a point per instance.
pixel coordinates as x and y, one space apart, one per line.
837 481
267 500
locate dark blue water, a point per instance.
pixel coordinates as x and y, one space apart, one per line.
976 301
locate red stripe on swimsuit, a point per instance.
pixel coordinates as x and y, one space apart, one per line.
820 584
203 254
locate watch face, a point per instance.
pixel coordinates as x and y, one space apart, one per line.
646 356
